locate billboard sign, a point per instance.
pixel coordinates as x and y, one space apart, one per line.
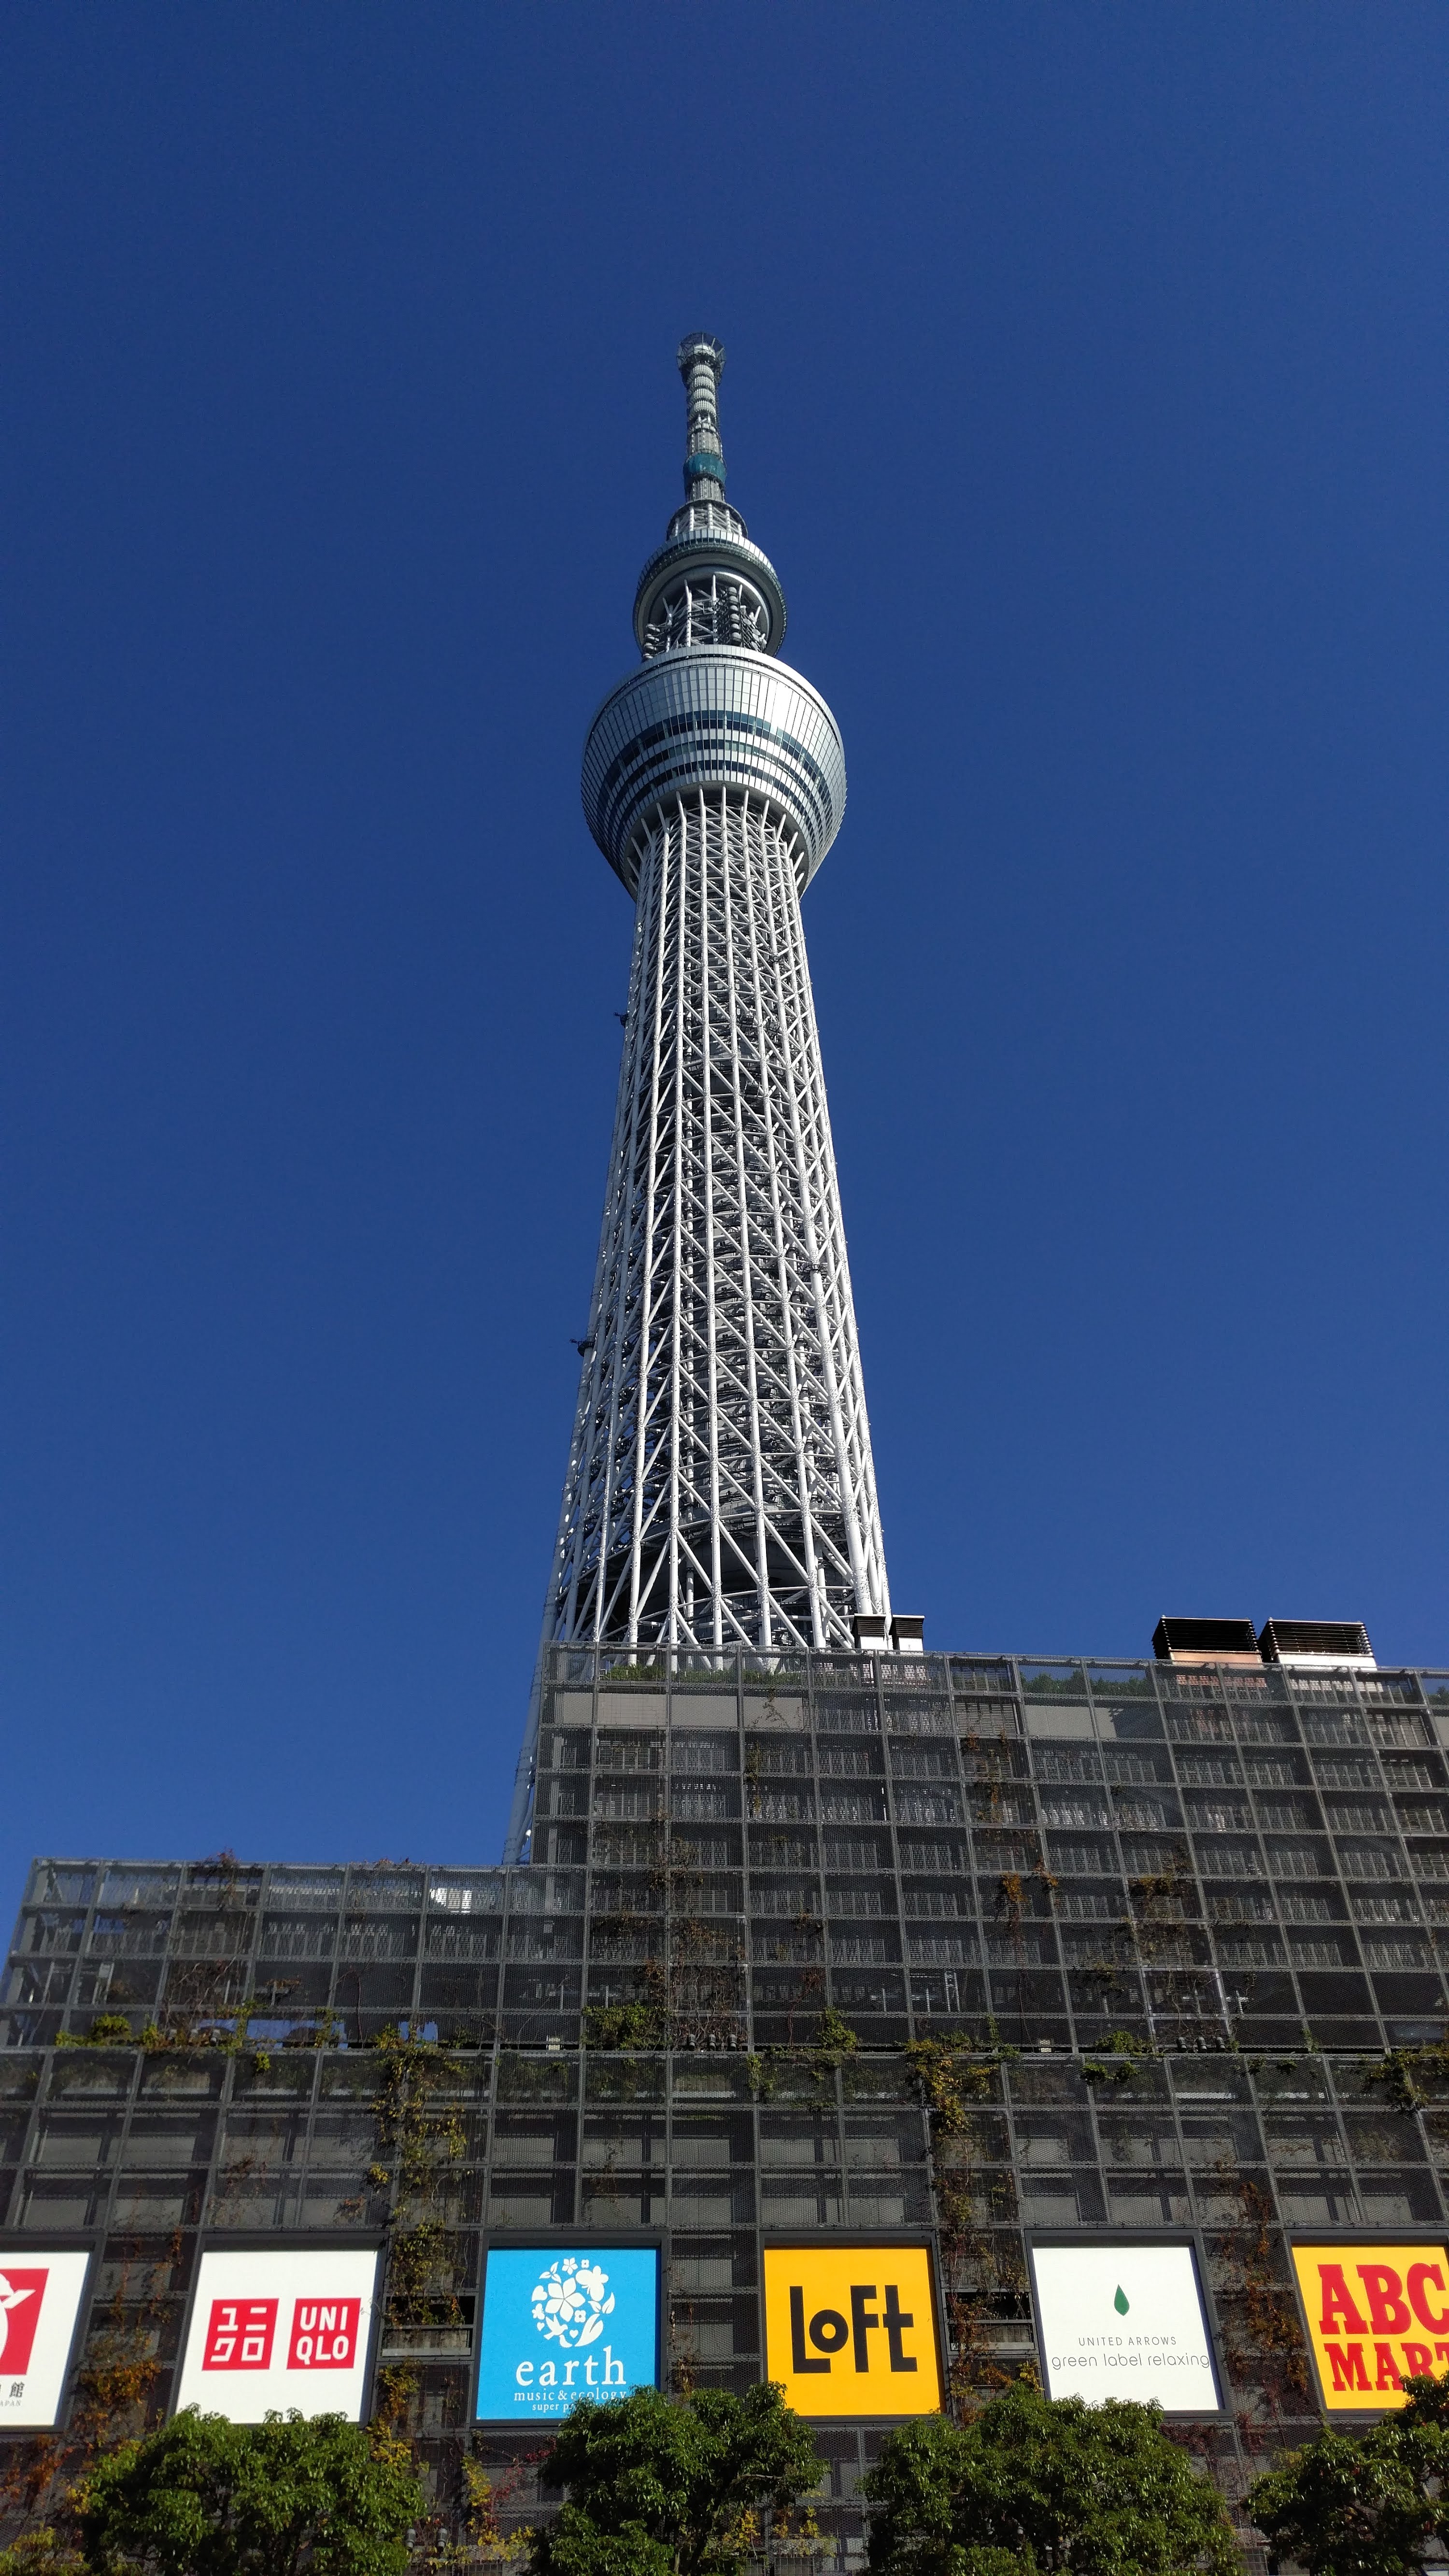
1377 2315
1121 2320
286 2327
40 2296
560 2323
851 2330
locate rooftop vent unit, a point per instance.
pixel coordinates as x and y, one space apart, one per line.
1205 1641
1317 1645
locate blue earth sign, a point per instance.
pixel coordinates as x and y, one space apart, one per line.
560 2323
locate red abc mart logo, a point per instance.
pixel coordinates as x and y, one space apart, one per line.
1377 2317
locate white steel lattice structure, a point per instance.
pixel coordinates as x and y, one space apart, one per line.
720 1488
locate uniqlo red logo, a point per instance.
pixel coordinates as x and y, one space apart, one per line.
240 2334
324 2334
20 2297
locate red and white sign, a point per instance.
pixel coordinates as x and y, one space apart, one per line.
40 2294
239 2335
324 2334
285 2327
22 2299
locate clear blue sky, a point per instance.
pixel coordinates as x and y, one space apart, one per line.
1087 384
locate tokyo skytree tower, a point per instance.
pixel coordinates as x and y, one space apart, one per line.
720 1489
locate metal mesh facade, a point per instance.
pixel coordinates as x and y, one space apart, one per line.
1173 1937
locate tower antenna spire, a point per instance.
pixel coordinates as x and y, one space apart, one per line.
701 363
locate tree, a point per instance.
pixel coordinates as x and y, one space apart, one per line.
662 2488
1363 2504
204 2497
1034 2484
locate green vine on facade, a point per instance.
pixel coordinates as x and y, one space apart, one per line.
1401 2072
627 2028
421 2136
948 2079
977 2269
107 2030
43 2480
1263 2340
835 2042
1124 2048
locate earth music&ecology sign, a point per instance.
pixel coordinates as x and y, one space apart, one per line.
1124 2321
564 2323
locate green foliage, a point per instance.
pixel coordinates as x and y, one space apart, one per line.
625 2026
948 2079
38 2553
421 2133
1363 2504
1396 2077
107 2030
658 2488
1032 2484
203 2497
1121 2045
835 2040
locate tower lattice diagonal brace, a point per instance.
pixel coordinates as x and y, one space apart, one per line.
720 1489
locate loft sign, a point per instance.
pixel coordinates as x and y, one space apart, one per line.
565 2323
827 2333
852 2330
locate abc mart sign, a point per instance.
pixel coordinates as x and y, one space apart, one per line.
1377 2315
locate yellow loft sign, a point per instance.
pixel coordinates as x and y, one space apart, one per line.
852 2330
1377 2315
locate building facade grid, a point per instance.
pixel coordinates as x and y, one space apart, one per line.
1176 1930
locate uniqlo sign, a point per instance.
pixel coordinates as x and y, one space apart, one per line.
285 2327
1377 2315
40 2296
324 2334
239 2336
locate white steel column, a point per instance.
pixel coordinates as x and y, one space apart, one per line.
719 1487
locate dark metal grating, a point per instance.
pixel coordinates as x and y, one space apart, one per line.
1188 1921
